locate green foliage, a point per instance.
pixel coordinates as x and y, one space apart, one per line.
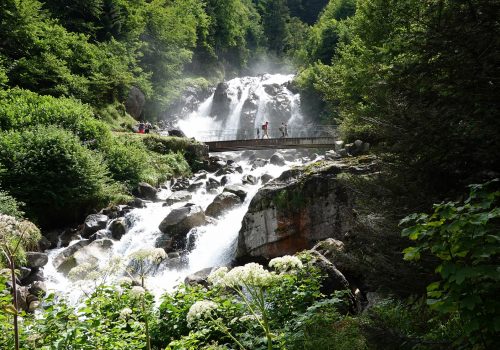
59 179
321 326
464 237
16 237
9 205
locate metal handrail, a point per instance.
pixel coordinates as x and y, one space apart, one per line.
246 134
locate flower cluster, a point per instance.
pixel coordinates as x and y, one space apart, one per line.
286 263
153 255
125 313
199 310
137 292
248 275
125 281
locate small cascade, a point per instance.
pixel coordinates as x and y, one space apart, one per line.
210 245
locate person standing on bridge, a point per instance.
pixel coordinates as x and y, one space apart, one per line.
265 129
285 132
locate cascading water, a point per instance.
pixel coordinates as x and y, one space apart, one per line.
215 243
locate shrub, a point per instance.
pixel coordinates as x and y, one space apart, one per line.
17 236
21 109
9 205
57 178
464 237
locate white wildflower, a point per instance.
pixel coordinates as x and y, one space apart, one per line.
217 277
127 281
199 310
153 255
251 274
286 263
125 313
137 292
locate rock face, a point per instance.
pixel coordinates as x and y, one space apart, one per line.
181 220
221 102
300 208
135 102
223 202
36 259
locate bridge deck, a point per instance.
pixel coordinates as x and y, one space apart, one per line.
278 143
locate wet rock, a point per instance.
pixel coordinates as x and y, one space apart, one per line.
181 220
221 102
201 176
24 272
214 163
138 203
266 178
224 181
249 180
334 280
239 169
198 278
176 133
180 185
36 259
258 163
22 294
38 289
114 211
195 186
174 255
226 170
237 190
100 235
53 237
277 159
212 184
332 155
65 259
222 203
146 191
35 275
44 244
179 196
94 223
343 152
165 241
68 236
118 228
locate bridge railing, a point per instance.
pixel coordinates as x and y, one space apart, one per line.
246 134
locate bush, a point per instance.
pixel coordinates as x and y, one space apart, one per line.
57 178
9 205
21 109
17 237
464 237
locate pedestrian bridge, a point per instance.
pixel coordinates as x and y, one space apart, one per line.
237 140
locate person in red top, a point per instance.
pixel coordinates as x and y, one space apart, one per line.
265 128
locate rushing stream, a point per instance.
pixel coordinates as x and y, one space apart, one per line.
215 243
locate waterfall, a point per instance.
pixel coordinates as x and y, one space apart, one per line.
270 99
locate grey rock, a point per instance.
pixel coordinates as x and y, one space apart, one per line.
195 186
22 294
44 244
224 180
212 184
179 196
138 203
165 241
174 255
198 278
201 176
36 259
239 169
266 178
100 235
332 155
365 148
181 220
249 180
118 228
94 223
38 288
258 163
222 203
221 102
277 159
65 259
176 133
35 275
226 170
146 191
237 190
180 184
343 152
35 304
24 272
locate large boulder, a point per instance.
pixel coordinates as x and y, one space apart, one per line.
221 102
179 196
64 261
249 180
222 203
198 278
146 191
181 220
237 190
94 223
212 184
277 159
36 259
301 207
135 102
118 228
195 186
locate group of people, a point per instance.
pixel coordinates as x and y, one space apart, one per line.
144 127
265 130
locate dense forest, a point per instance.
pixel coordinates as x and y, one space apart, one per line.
417 79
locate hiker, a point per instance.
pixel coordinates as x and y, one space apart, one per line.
265 129
282 130
258 133
141 127
285 132
147 127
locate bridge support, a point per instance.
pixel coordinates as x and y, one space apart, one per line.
279 143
